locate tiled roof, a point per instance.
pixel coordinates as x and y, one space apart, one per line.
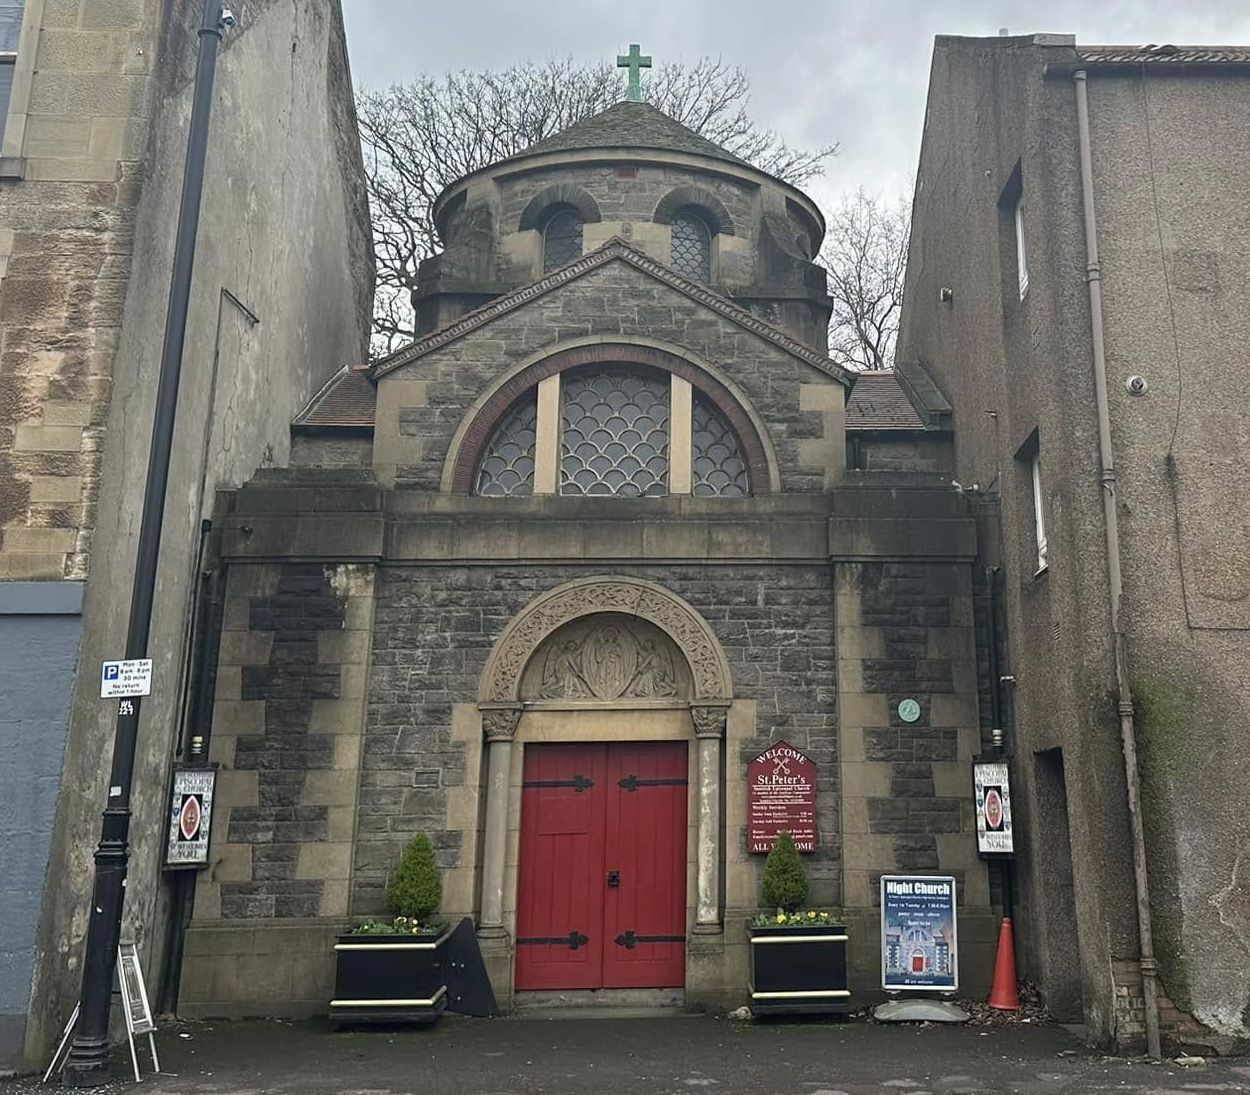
346 399
629 125
1164 55
878 402
614 248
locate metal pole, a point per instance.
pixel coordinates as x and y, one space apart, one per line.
88 1062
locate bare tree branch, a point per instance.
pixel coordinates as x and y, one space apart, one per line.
421 136
865 252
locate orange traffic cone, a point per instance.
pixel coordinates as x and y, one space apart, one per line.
1003 995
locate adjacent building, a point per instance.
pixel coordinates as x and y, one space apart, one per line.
94 102
1018 295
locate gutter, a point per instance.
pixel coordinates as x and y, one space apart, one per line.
1128 732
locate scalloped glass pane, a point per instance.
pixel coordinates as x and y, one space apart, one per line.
615 434
692 247
719 468
508 466
562 240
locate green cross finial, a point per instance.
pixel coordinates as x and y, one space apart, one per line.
635 62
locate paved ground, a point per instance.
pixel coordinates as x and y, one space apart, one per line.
655 1056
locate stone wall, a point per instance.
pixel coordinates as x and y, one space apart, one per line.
435 628
287 739
73 143
906 631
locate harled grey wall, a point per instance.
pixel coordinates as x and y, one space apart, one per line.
38 654
1171 153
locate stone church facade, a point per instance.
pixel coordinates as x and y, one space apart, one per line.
600 512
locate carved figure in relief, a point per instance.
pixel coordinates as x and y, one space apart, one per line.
562 675
655 672
611 661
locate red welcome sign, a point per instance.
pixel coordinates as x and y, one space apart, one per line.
781 797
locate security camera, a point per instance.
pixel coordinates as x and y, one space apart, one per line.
1136 385
228 18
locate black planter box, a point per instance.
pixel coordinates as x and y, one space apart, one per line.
389 978
799 970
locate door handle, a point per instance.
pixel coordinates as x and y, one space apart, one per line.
614 878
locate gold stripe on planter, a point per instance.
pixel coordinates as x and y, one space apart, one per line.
799 995
386 946
391 1003
759 940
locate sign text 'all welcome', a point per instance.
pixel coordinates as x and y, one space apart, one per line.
781 797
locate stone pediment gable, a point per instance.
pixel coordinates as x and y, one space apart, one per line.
616 250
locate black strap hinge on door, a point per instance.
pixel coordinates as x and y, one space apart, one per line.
573 940
629 940
632 783
578 783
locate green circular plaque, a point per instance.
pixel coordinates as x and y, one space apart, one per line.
909 710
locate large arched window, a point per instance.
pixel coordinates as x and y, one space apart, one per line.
562 239
623 430
692 246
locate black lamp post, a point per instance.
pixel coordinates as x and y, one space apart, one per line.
88 1063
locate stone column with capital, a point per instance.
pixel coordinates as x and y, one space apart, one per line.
709 728
499 728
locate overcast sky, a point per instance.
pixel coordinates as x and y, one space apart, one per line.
822 71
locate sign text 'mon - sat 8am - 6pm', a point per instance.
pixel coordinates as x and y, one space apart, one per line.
126 678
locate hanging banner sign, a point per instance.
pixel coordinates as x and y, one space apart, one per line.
919 950
991 785
781 797
190 813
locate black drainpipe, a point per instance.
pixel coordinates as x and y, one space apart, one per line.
996 715
193 749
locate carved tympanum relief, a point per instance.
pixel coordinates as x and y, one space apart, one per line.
643 604
606 658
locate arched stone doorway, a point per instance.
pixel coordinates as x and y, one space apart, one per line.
604 662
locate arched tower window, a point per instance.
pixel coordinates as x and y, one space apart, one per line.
692 246
507 468
562 239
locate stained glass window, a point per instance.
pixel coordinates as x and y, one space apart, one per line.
615 434
719 469
562 240
692 247
508 466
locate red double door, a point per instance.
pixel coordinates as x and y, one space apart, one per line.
601 893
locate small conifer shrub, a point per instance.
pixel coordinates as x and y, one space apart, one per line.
784 885
415 889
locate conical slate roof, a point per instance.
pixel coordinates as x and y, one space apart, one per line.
630 125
